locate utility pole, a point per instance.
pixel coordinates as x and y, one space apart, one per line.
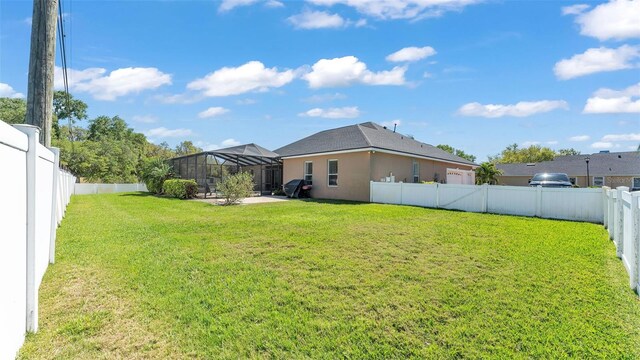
41 66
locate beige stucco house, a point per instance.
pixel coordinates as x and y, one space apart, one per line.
611 169
340 163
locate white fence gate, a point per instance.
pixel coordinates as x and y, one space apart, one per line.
552 203
34 194
622 220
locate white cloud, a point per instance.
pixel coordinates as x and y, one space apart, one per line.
28 20
212 112
621 137
602 145
145 119
608 101
526 144
120 82
246 102
400 9
7 91
333 113
178 98
521 109
575 9
318 98
163 132
349 70
274 4
228 5
596 60
552 142
252 76
392 123
316 20
617 19
410 54
224 144
580 138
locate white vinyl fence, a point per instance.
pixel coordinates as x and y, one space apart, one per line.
34 193
551 203
622 220
83 189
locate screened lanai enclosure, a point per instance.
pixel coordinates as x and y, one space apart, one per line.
210 167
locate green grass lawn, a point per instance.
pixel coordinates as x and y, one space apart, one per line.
138 276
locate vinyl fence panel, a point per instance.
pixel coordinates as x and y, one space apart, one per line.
29 213
512 200
85 188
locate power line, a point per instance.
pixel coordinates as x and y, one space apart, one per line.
63 59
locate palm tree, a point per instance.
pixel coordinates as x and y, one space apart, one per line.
487 173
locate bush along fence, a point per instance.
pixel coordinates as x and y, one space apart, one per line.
622 220
34 193
551 203
84 188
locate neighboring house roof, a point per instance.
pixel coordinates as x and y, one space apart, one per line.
600 164
365 136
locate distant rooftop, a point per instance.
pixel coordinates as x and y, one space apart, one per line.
600 164
364 136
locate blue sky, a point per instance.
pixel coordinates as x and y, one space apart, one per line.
477 75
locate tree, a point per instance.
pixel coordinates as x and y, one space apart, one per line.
155 172
570 151
186 148
457 152
67 108
235 187
487 173
531 154
13 111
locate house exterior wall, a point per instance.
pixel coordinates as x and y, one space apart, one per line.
383 164
353 175
356 169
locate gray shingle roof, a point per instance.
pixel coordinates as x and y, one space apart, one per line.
600 164
361 136
247 149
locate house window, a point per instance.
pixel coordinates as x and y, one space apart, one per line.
416 171
573 180
308 172
598 181
635 183
333 172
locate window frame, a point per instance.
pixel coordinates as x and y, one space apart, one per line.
633 182
415 165
593 180
305 173
329 174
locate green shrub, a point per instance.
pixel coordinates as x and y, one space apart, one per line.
154 174
180 188
235 187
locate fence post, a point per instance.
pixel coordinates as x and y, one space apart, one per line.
539 201
437 196
605 207
485 197
612 216
620 221
401 203
635 236
54 205
33 133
